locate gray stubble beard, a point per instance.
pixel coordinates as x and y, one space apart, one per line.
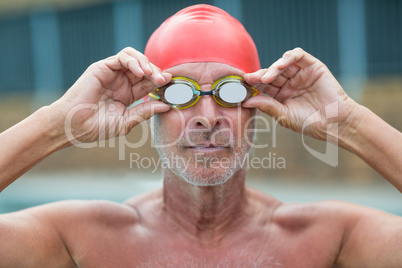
201 173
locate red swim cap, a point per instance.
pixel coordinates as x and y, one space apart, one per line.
202 33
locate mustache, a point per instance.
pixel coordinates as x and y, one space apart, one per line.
218 138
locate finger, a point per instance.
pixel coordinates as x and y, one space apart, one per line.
131 64
267 105
123 61
291 71
272 72
148 68
293 59
142 88
151 85
143 62
282 95
267 89
298 56
146 86
134 79
254 78
279 81
142 112
157 77
167 76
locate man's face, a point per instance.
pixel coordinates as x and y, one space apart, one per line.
206 143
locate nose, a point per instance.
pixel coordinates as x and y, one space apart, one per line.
206 113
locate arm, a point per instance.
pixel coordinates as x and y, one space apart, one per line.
27 143
29 240
371 238
376 142
94 108
298 85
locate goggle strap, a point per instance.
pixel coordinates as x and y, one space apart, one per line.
154 96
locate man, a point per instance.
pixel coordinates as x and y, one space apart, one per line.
203 216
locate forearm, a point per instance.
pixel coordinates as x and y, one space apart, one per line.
28 142
376 142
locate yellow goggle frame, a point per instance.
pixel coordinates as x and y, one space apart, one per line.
197 93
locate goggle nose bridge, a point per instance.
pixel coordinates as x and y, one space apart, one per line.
205 93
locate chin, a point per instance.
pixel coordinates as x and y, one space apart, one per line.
206 176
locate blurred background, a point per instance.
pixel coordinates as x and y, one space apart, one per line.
45 45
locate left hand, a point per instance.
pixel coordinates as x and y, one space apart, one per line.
95 107
297 86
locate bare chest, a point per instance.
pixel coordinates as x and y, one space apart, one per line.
175 251
178 257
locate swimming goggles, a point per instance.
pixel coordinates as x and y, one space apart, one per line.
182 92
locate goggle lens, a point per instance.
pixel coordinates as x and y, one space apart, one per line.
183 92
232 93
178 94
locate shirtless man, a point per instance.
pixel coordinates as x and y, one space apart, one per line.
203 216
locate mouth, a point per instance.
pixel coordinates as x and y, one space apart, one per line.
207 147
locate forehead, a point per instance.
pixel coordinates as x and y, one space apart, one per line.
204 72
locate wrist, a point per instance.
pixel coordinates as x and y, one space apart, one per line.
51 120
351 131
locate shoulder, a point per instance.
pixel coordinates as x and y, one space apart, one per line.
330 212
96 211
322 211
50 235
352 235
145 201
339 216
66 215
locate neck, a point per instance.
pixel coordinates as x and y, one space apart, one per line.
206 212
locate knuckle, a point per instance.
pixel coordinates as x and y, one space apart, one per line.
156 67
298 50
92 66
95 65
129 51
134 119
143 58
139 111
287 53
132 62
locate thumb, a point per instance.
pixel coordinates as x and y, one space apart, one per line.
142 112
267 105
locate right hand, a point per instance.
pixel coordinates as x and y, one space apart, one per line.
94 107
299 91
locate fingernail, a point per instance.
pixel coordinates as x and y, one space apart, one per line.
140 70
247 105
161 76
148 66
267 75
162 105
247 76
